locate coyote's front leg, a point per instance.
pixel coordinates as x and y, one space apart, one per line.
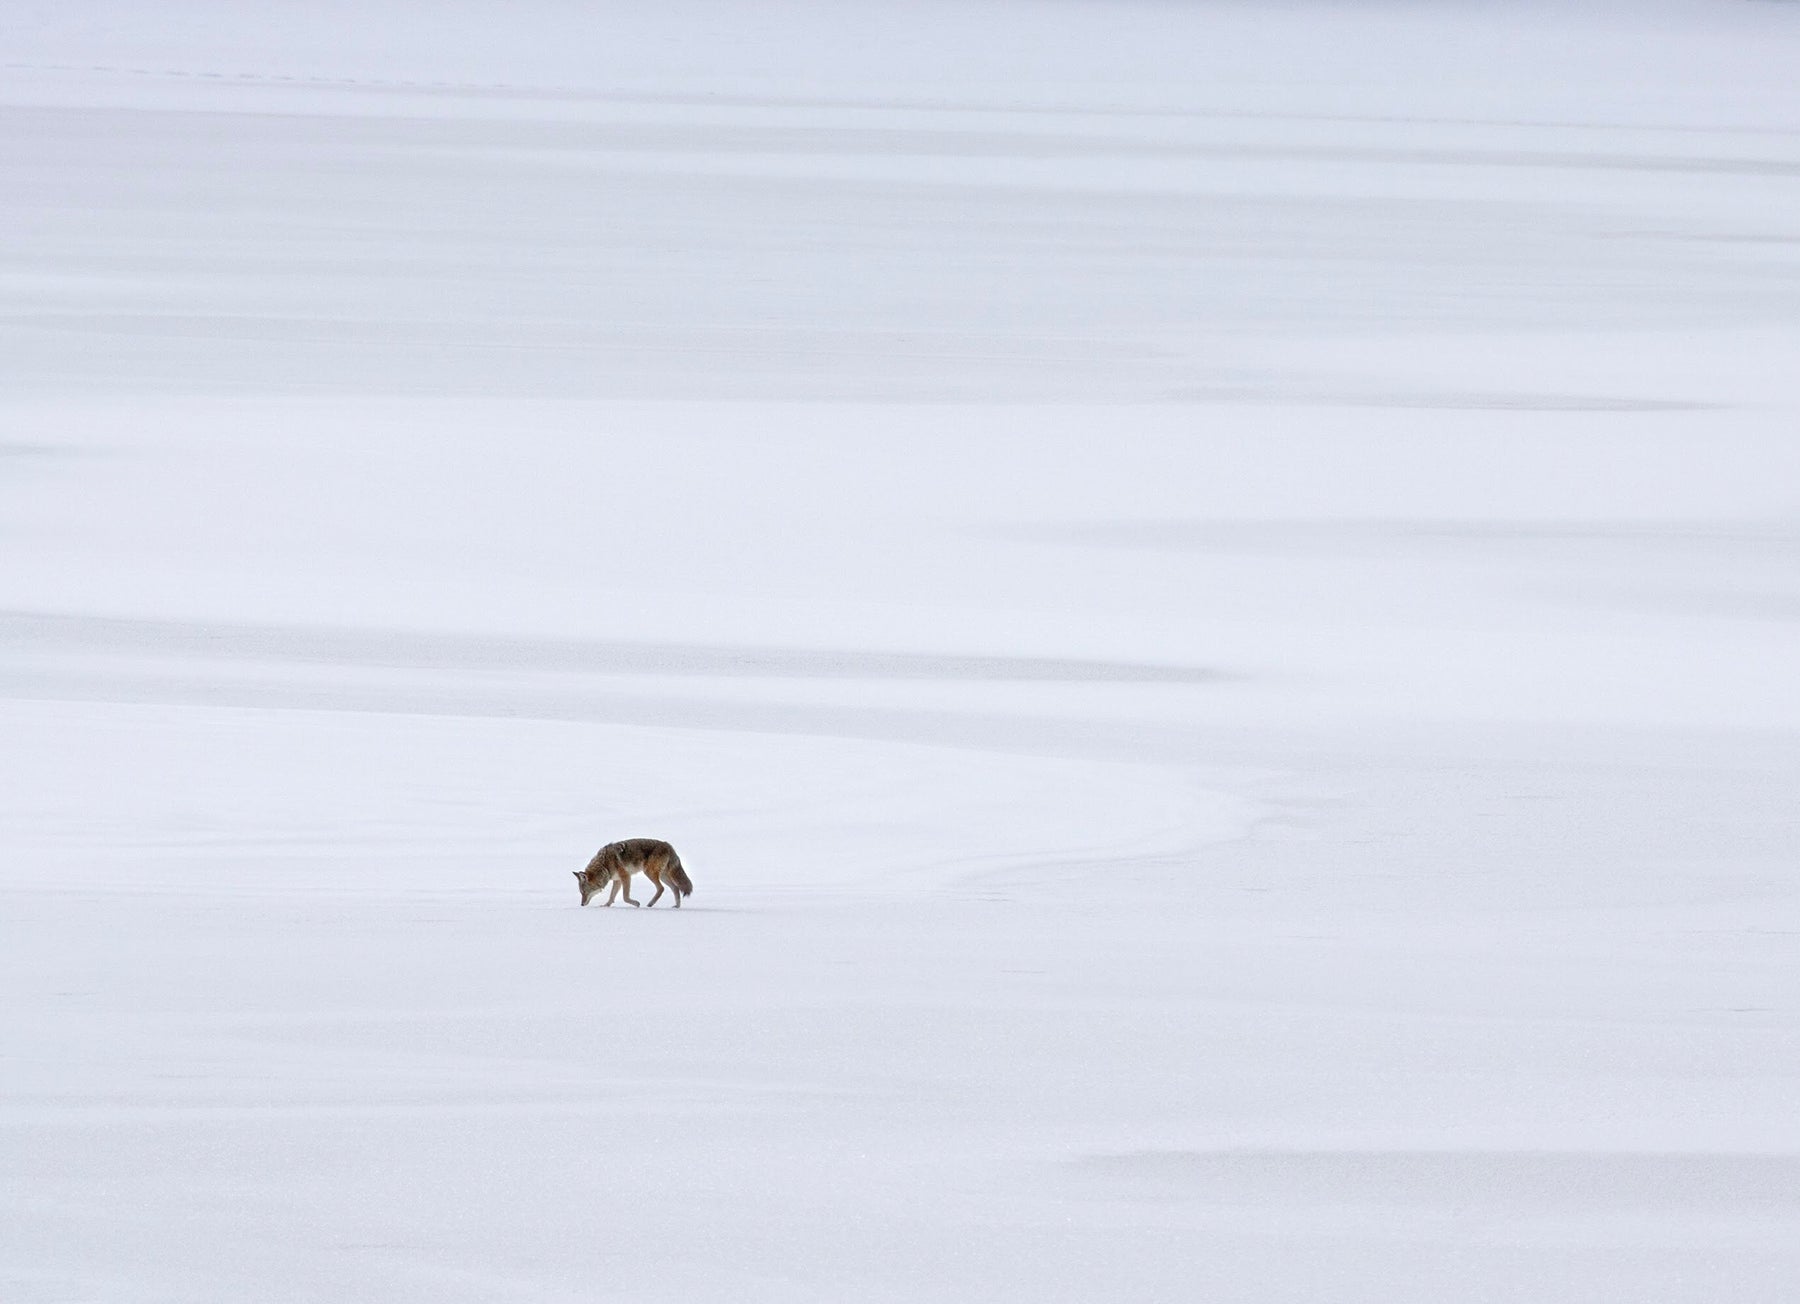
622 879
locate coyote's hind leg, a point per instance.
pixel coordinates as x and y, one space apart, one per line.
654 874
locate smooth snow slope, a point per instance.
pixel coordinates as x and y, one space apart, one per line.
1209 593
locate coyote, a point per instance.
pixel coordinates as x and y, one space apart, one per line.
616 862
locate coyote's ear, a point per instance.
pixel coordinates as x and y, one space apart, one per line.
577 873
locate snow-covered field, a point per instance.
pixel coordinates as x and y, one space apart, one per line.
1210 594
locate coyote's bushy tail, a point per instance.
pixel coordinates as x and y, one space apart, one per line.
678 876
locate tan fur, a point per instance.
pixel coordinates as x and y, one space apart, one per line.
616 862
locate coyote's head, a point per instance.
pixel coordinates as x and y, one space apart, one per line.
590 881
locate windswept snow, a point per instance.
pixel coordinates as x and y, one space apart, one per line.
1209 593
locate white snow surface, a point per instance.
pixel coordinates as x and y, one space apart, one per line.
1210 594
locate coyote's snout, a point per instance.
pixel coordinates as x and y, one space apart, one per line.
616 862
